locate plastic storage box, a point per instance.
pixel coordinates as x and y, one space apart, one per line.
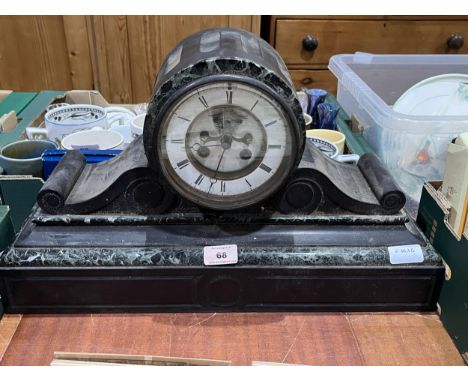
414 148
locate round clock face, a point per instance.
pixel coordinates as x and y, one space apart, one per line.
226 145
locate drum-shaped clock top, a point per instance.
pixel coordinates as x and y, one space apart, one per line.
223 138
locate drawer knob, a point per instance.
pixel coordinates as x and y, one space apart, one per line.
455 41
309 43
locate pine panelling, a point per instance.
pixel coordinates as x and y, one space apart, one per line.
174 29
249 23
151 38
117 55
118 63
33 53
143 44
112 55
79 55
50 51
98 54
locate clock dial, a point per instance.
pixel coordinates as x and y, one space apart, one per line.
224 128
225 142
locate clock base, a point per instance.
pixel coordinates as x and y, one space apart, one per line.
154 263
130 244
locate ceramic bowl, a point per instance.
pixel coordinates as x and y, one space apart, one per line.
24 157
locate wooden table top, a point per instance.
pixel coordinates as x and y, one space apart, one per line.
298 338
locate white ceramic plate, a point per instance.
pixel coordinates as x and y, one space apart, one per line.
446 94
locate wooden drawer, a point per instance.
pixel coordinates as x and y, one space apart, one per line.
321 79
372 36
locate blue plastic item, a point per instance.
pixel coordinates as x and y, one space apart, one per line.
50 158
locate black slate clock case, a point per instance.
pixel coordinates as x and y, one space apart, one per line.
115 236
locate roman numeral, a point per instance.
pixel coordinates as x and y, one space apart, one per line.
223 186
183 118
199 179
271 123
255 104
264 167
248 182
183 164
177 141
274 146
203 101
229 97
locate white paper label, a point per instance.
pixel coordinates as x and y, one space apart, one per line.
220 254
406 254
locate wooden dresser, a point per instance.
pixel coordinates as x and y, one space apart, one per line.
306 43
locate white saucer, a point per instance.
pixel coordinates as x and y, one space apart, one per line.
446 94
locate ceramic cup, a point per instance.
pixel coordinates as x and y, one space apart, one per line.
68 119
333 136
93 140
56 105
332 151
120 121
137 124
118 115
24 157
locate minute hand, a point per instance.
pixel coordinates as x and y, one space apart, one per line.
216 173
219 163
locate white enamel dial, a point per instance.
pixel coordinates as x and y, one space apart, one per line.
225 144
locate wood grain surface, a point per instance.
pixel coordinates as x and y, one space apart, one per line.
117 55
297 338
79 55
33 53
348 36
314 79
8 325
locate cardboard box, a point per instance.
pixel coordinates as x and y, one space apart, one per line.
432 219
88 97
4 94
455 185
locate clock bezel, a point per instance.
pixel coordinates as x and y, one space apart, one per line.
224 202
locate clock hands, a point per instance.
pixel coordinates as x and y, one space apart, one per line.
213 179
219 163
230 130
